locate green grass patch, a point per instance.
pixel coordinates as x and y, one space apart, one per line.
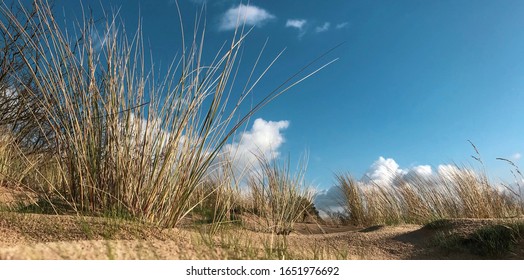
496 240
492 241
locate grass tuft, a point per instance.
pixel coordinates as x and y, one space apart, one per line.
457 193
279 197
114 137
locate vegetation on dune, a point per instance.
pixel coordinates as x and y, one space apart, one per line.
459 193
280 197
107 134
497 240
86 128
454 192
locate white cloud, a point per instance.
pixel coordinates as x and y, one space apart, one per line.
299 24
417 173
385 172
516 156
422 170
296 23
341 25
447 170
323 28
382 171
264 139
244 14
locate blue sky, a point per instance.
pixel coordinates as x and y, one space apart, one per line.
413 82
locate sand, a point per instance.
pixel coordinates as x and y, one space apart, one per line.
50 236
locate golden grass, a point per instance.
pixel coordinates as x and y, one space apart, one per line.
279 196
117 138
459 193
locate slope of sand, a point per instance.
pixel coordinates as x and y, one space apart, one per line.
39 236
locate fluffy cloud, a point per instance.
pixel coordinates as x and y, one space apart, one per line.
423 170
382 171
296 23
447 170
264 139
244 14
324 27
386 172
417 173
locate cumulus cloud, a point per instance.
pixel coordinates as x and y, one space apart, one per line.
244 14
420 172
323 28
447 170
423 170
341 25
264 139
296 23
386 172
382 171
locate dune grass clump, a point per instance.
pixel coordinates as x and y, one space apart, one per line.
20 134
22 173
278 196
8 158
218 200
459 193
120 138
